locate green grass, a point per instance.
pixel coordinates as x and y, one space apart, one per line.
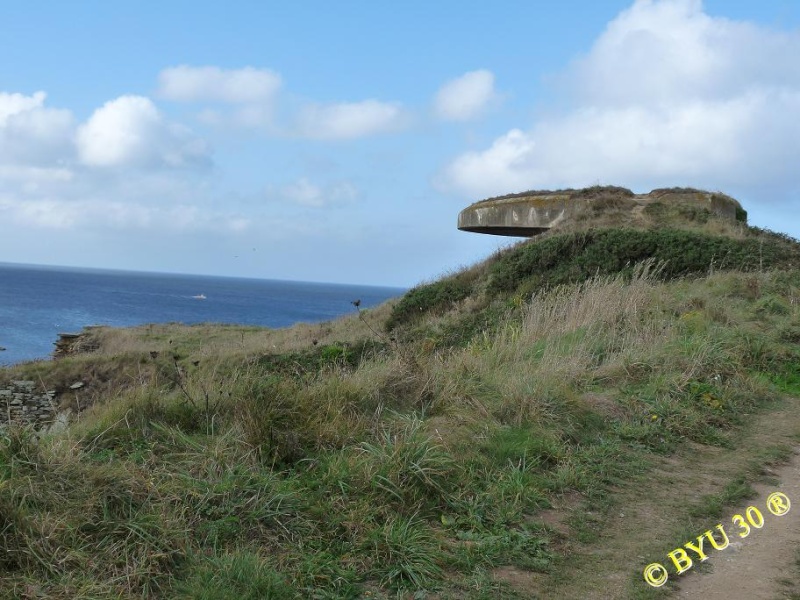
393 467
237 576
712 506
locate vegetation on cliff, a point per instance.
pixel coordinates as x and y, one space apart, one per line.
414 450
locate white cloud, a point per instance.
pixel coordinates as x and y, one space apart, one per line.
662 51
248 116
349 120
507 164
54 175
305 193
130 131
28 174
32 181
212 84
40 213
12 104
253 94
56 213
32 134
465 97
667 96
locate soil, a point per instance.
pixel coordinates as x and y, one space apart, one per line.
649 513
755 567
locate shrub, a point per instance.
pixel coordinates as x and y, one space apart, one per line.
433 297
574 257
741 214
309 362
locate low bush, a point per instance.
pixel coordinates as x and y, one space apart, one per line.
432 297
575 257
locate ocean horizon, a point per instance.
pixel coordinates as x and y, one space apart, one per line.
37 302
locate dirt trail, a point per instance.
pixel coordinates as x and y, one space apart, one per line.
752 567
643 525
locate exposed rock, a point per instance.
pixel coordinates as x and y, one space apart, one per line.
60 422
21 403
65 345
69 344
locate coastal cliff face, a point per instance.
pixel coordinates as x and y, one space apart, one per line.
20 403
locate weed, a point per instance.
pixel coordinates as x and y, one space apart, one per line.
531 447
237 576
404 553
525 548
712 506
410 469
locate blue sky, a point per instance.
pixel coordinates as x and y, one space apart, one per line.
337 142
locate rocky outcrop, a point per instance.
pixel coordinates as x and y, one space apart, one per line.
69 344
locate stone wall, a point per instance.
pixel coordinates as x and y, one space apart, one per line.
21 403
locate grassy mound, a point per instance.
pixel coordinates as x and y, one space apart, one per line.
560 258
338 461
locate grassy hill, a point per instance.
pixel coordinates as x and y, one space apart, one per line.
467 440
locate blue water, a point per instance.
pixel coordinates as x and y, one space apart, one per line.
37 303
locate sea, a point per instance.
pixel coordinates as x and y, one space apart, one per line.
37 303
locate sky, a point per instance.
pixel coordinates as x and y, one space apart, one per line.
337 142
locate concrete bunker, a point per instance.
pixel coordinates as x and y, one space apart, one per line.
530 213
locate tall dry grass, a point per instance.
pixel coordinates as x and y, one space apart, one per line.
535 364
215 340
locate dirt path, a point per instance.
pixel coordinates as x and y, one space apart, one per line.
753 567
649 513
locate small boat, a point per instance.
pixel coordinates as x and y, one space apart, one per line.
199 297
